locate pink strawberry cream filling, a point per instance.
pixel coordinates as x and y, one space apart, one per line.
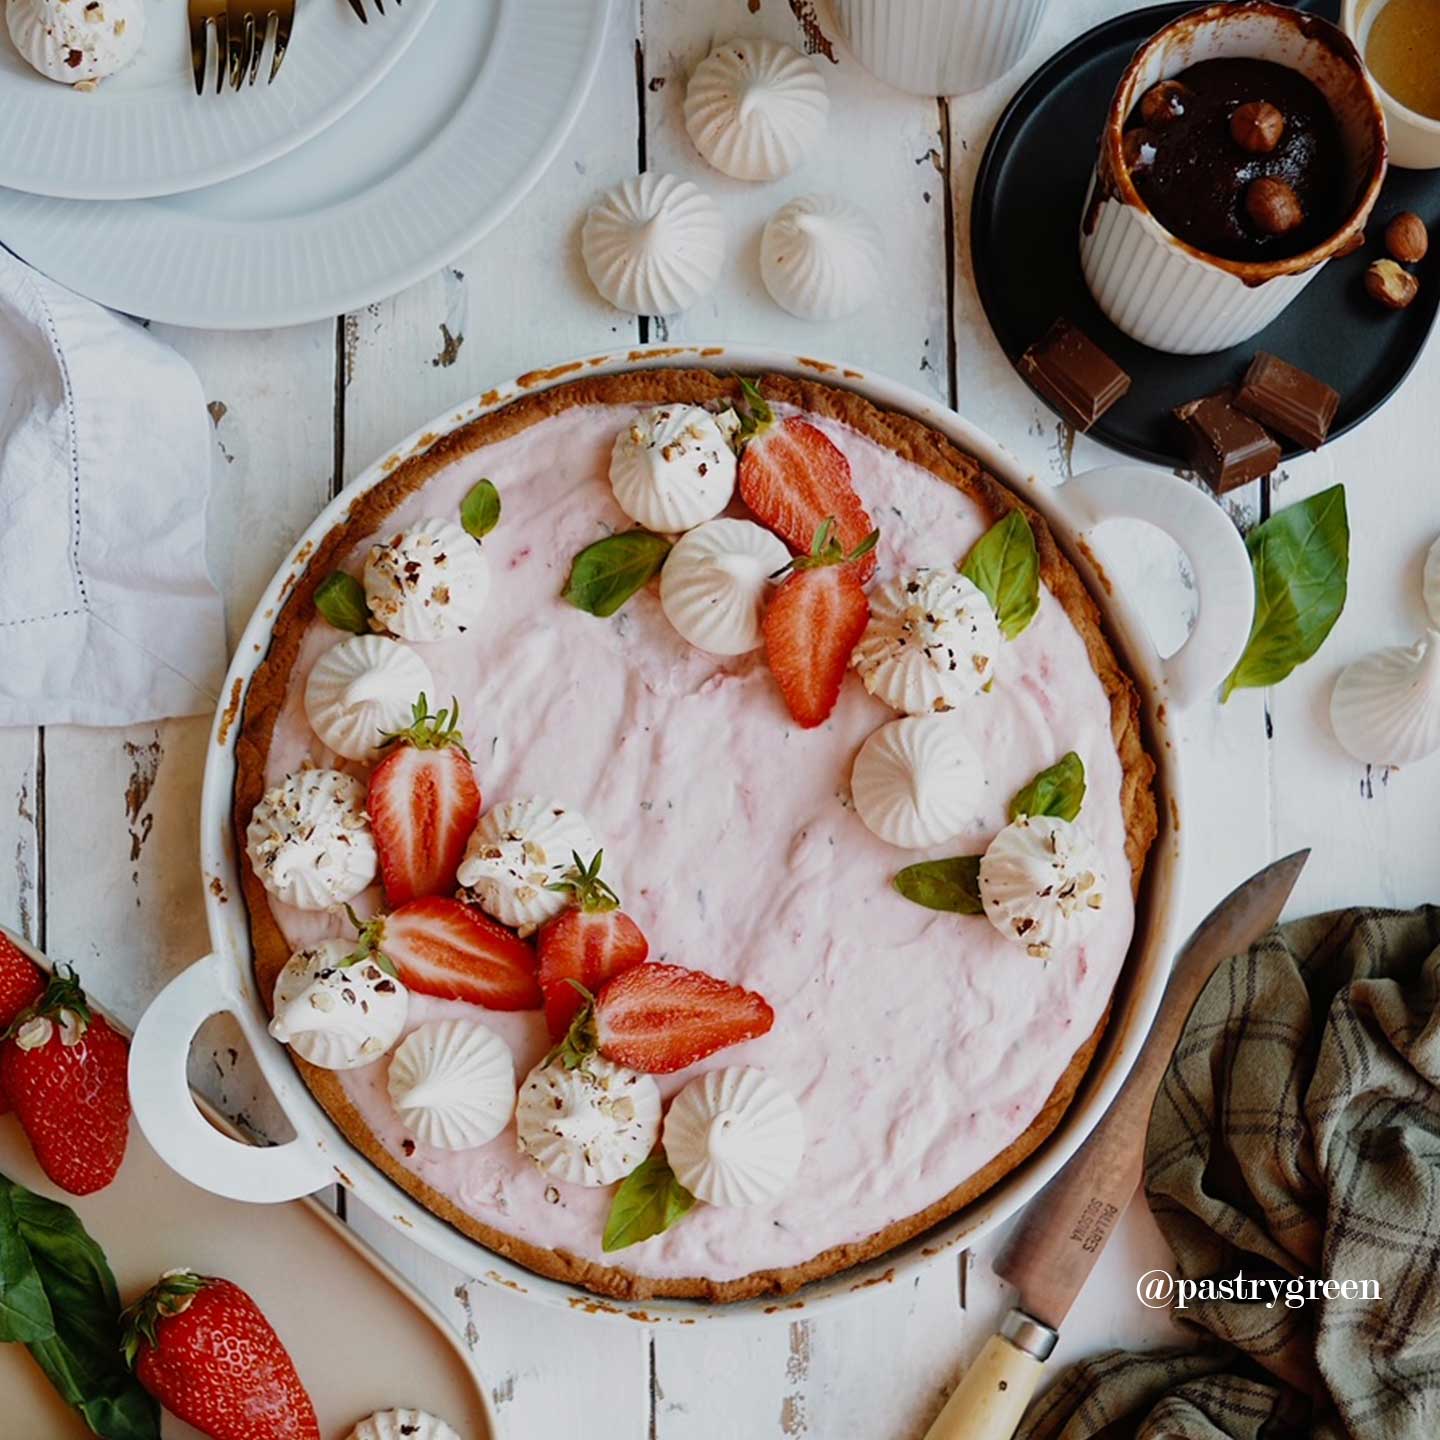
918 1044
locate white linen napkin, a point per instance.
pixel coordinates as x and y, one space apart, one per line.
107 613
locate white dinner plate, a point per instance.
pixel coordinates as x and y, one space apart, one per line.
432 158
146 132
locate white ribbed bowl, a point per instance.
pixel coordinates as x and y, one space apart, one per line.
939 47
1155 287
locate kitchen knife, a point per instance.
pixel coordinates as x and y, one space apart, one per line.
1054 1247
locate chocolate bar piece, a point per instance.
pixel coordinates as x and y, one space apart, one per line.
1228 447
1074 374
1284 398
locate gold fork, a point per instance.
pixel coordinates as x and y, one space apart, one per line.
358 6
242 29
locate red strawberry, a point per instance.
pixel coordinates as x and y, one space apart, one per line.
444 948
792 476
22 983
202 1348
424 803
658 1018
590 943
815 622
64 1072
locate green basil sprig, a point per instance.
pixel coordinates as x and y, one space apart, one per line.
650 1200
952 885
1059 791
340 599
1005 566
606 574
58 1298
1301 562
480 510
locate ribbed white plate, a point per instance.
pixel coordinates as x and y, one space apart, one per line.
146 132
433 157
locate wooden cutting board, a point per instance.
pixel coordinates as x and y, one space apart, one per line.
361 1339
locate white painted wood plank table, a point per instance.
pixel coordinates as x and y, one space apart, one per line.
98 827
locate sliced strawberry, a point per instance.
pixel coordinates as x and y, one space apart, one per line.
815 622
590 943
443 948
793 476
658 1018
423 804
21 984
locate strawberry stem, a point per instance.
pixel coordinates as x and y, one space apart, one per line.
757 416
371 935
582 883
580 1041
826 549
170 1295
62 993
430 732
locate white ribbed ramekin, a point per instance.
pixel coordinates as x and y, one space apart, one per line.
938 47
1155 287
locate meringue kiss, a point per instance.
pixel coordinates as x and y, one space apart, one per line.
715 582
821 257
654 244
918 781
1385 708
755 108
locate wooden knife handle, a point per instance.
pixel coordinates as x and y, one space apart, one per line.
990 1400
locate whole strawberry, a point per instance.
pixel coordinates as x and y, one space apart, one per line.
63 1070
22 983
589 943
202 1348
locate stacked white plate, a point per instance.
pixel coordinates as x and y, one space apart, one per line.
380 153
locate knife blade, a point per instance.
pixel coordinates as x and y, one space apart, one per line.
1060 1237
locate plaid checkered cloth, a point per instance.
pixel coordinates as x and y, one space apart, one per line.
1296 1135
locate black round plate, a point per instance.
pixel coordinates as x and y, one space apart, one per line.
1024 236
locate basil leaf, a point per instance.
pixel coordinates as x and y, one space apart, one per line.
1301 561
649 1201
1005 565
480 510
25 1313
952 885
1060 790
340 599
82 1356
606 574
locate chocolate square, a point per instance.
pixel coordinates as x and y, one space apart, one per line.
1074 374
1285 398
1227 447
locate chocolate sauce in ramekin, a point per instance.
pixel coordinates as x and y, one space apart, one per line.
1197 176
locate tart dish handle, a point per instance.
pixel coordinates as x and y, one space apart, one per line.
176 1130
1217 555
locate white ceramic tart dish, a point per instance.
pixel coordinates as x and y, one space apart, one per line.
785 947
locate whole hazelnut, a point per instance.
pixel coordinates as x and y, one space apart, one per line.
1257 127
1406 238
1138 148
1393 287
1273 206
1164 102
